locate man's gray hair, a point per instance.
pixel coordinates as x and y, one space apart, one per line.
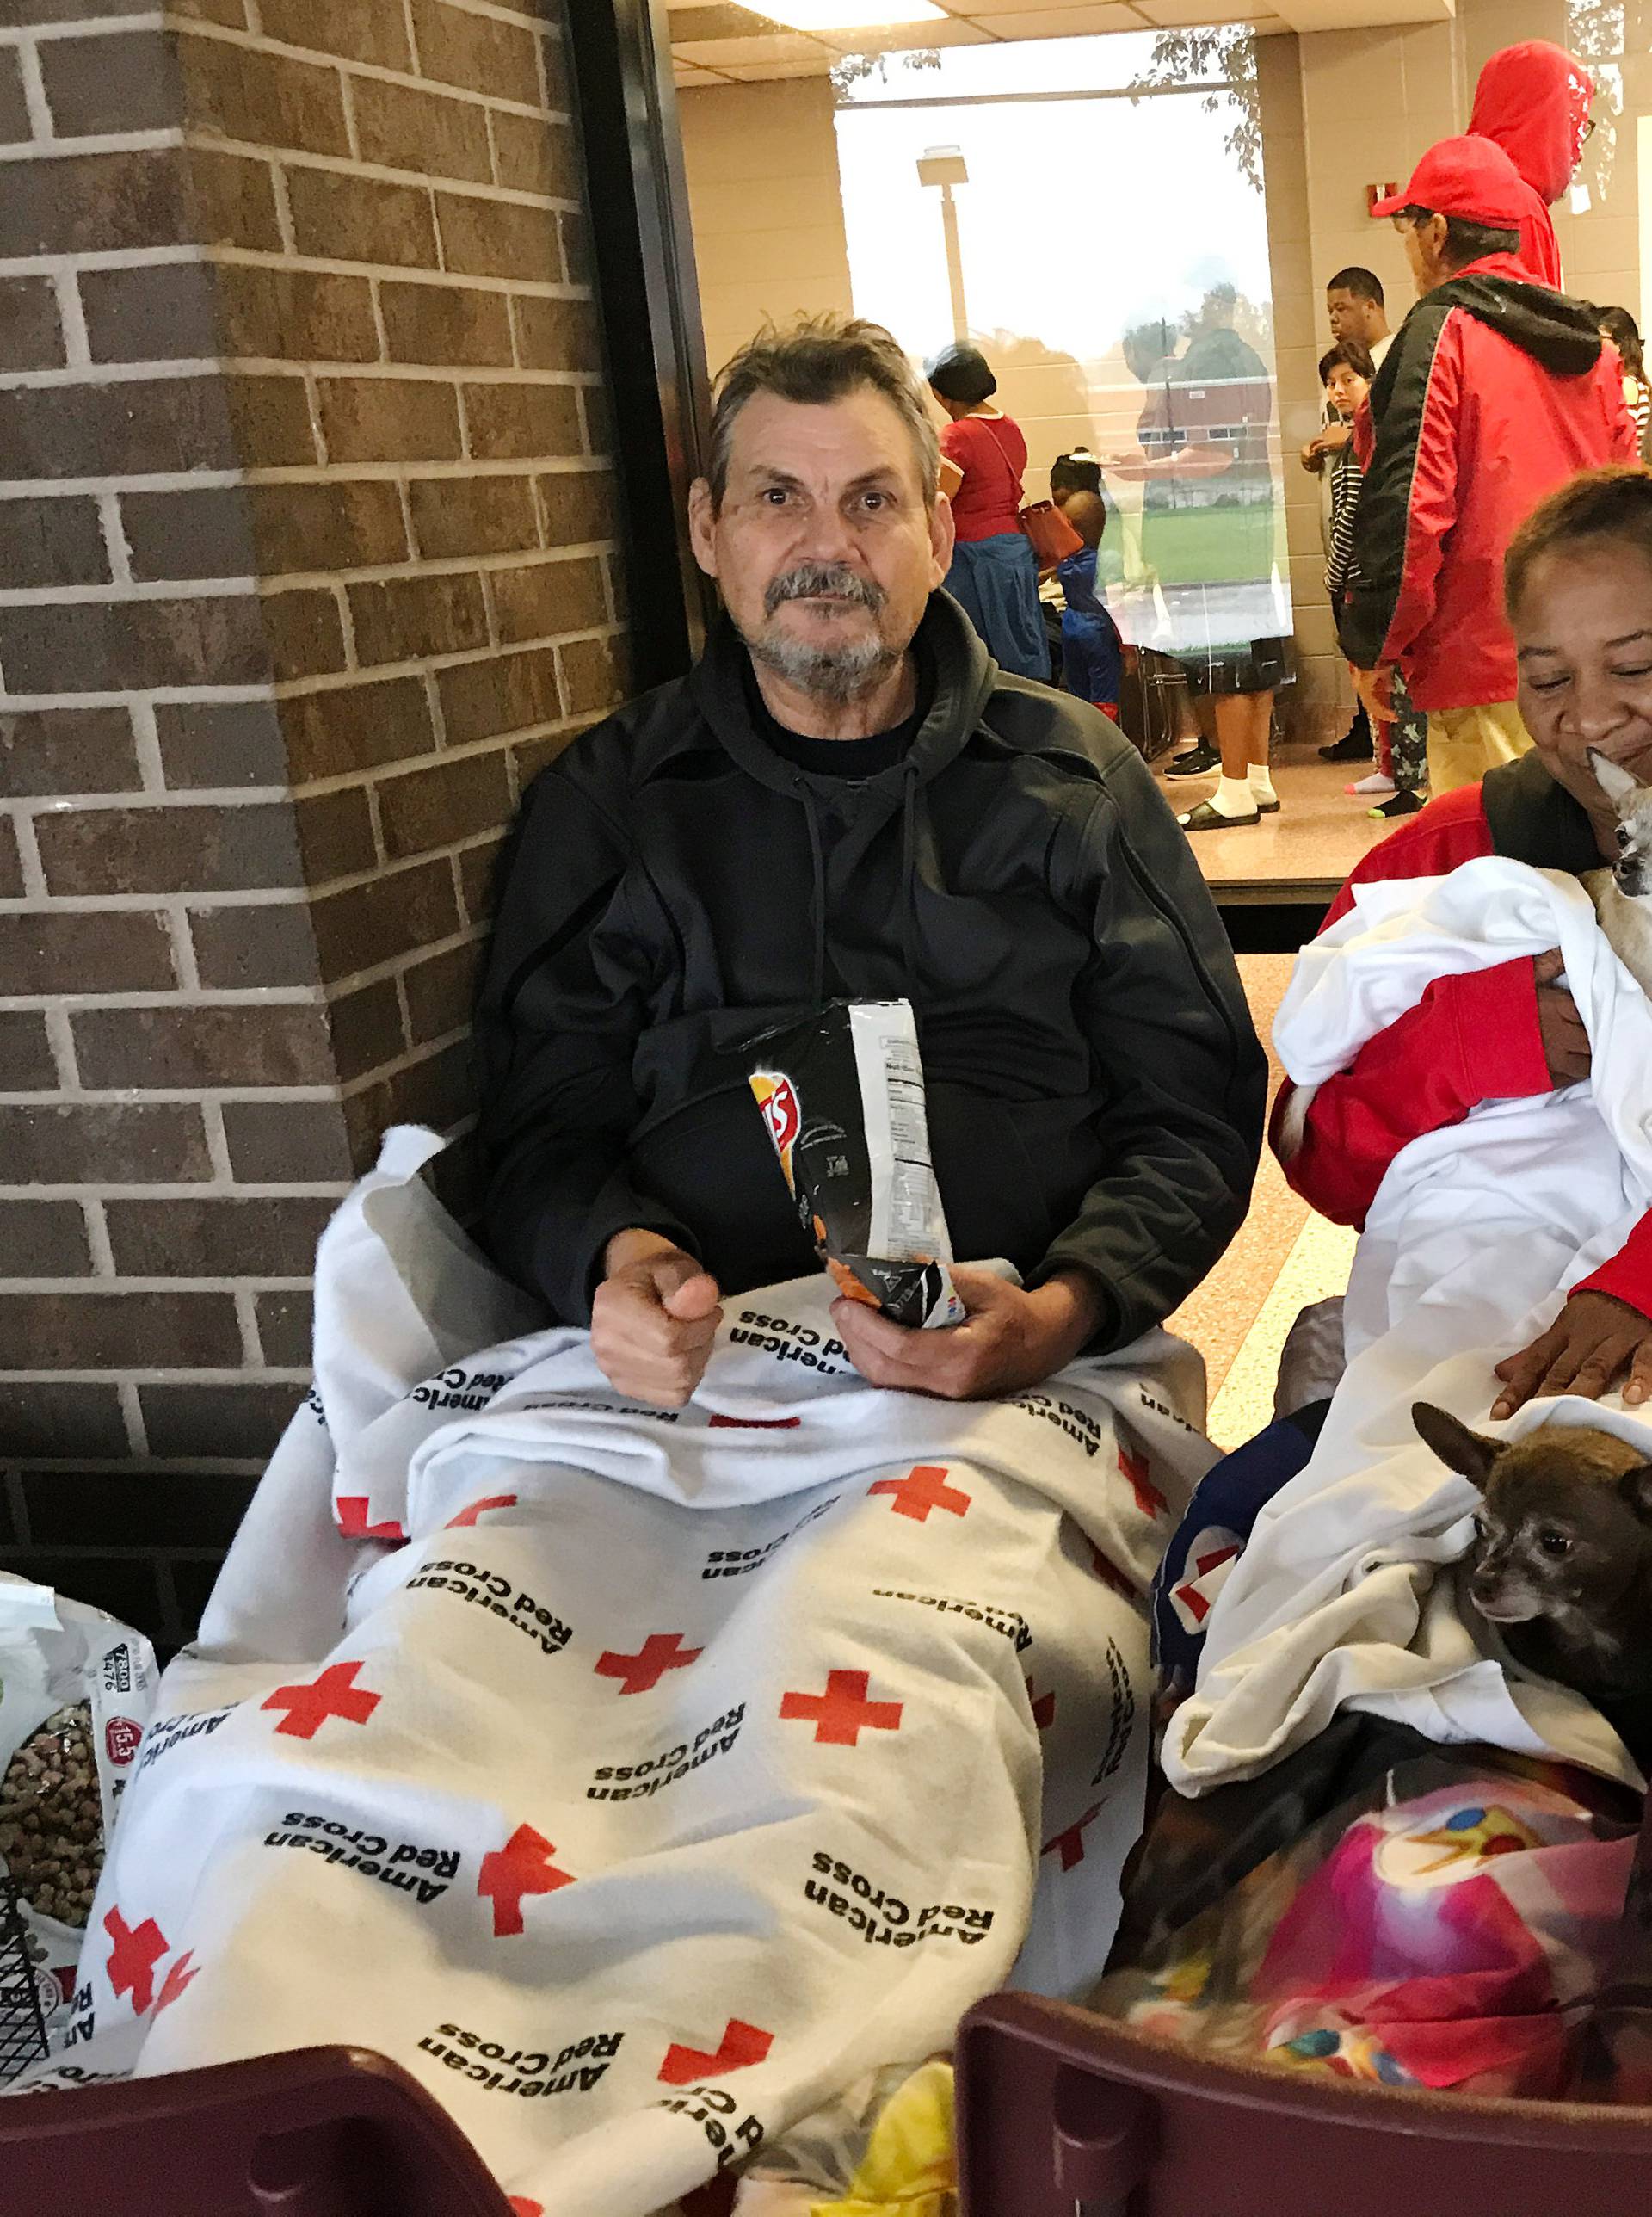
816 360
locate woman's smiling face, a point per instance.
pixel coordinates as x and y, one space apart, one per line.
1583 628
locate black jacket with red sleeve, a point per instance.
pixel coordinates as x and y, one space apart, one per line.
1474 1035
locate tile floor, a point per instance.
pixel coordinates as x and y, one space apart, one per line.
1317 836
1284 1257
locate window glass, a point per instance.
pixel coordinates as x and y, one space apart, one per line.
1150 343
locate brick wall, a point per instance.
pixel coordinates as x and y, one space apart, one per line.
307 563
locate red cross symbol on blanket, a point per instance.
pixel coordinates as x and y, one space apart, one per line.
1069 1844
335 1694
921 1491
352 1511
520 2206
468 1516
133 1956
843 1713
1148 1499
742 2044
640 1673
522 1866
1193 1601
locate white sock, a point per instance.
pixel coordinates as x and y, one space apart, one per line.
1233 797
1379 781
1261 783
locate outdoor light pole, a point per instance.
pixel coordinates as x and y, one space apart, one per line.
945 166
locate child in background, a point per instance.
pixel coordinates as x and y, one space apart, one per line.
1346 371
1092 652
1621 328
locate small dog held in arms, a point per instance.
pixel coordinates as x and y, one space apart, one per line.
1623 894
1563 1563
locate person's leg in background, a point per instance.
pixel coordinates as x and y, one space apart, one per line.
1239 724
1258 733
1203 757
1380 781
1355 743
1464 743
1409 741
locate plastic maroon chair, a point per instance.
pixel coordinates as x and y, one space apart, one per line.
318 2132
1056 2107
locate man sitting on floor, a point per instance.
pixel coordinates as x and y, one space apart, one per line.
846 797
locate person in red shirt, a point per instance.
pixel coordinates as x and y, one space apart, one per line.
1533 101
995 573
1579 596
1496 390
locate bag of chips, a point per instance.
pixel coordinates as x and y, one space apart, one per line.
842 1096
77 1690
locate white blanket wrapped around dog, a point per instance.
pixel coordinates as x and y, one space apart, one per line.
675 1768
1474 1237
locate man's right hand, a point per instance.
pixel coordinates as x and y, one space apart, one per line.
653 1319
1565 1042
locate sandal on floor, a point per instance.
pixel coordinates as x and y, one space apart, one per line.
1197 761
1206 818
1267 807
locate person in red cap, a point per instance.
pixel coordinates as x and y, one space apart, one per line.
1497 390
1533 101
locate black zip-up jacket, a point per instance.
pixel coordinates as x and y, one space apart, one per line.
1095 1085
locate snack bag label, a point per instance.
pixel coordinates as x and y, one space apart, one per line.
777 1097
843 1099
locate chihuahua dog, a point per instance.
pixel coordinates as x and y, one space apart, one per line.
1623 894
1563 1565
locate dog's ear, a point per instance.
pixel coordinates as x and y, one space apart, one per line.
1460 1449
1635 1486
1618 784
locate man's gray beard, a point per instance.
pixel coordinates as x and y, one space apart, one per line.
834 674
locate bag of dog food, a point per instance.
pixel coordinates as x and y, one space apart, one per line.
842 1096
77 1690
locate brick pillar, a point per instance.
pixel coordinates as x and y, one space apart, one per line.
307 563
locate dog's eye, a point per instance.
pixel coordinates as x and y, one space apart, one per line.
1553 1542
1623 836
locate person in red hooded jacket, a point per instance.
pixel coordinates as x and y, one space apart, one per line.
1533 101
1497 390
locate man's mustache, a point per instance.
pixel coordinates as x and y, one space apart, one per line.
812 579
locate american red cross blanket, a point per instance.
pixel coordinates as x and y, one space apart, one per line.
639 1779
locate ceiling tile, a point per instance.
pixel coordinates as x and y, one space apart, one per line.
761 72
694 19
1036 19
724 53
1171 14
1128 18
900 38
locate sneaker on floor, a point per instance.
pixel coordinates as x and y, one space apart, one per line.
1198 762
1398 804
1372 787
1355 745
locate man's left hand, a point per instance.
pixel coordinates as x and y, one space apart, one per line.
1593 1341
1010 1339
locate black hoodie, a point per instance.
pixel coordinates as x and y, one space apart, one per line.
674 886
1495 391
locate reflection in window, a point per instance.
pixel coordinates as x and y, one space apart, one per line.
983 194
